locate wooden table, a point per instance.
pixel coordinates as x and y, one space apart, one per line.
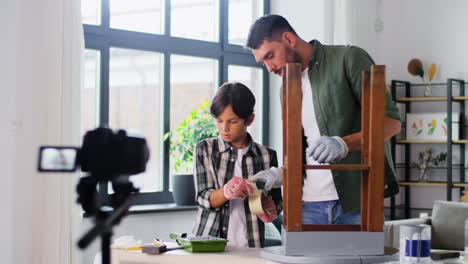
232 255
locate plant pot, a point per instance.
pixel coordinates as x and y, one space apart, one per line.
183 189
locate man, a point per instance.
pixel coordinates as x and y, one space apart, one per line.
223 166
331 112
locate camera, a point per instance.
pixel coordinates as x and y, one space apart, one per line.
104 154
107 157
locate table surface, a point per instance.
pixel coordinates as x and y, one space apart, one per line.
231 255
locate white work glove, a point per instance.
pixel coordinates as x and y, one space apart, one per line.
273 178
327 149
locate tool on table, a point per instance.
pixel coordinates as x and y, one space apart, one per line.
199 243
157 247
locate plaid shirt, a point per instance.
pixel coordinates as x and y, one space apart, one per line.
214 166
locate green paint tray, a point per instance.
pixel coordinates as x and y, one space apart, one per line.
200 243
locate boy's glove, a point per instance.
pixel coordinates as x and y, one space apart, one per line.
269 208
237 188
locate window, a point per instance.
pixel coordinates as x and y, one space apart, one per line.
90 92
242 13
134 103
90 12
149 63
143 16
193 79
195 19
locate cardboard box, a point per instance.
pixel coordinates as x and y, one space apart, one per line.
431 126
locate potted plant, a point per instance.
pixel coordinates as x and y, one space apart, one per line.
183 139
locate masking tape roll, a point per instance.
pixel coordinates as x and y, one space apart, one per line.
255 201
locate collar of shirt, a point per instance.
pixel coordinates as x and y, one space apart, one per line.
226 146
317 46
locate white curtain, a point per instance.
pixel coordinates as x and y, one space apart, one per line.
47 45
341 22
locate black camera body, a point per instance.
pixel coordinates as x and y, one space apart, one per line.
104 154
107 154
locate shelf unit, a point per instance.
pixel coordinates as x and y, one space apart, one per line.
407 100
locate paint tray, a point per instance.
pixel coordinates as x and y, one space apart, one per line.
199 243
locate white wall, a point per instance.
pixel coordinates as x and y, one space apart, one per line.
8 29
31 98
432 30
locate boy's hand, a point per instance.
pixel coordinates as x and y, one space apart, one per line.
237 188
269 208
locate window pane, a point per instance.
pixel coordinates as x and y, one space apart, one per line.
142 15
242 13
91 12
252 78
134 104
195 19
90 91
193 80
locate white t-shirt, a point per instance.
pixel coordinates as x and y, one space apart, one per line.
319 185
237 231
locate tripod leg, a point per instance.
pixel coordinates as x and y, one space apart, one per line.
105 247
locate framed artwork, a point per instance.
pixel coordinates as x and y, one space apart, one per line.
430 126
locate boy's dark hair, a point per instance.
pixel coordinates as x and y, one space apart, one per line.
238 96
269 27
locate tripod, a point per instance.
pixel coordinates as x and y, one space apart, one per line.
105 220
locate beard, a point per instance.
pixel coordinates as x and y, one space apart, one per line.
292 56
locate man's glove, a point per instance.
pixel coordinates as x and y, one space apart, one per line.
269 208
237 188
273 178
327 149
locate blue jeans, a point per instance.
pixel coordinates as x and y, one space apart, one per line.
327 212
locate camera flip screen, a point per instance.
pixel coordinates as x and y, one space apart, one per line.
57 159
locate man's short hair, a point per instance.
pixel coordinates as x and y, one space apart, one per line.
269 27
238 96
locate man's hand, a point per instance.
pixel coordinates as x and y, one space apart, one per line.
272 177
237 188
269 208
327 149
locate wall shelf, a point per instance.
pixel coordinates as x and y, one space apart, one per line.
406 168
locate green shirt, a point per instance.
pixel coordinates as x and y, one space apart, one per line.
335 78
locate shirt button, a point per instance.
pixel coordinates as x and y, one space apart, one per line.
224 228
232 159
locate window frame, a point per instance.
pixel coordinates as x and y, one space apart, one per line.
102 38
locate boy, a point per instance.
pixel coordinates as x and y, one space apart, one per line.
223 166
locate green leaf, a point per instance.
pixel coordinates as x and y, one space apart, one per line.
198 125
431 131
